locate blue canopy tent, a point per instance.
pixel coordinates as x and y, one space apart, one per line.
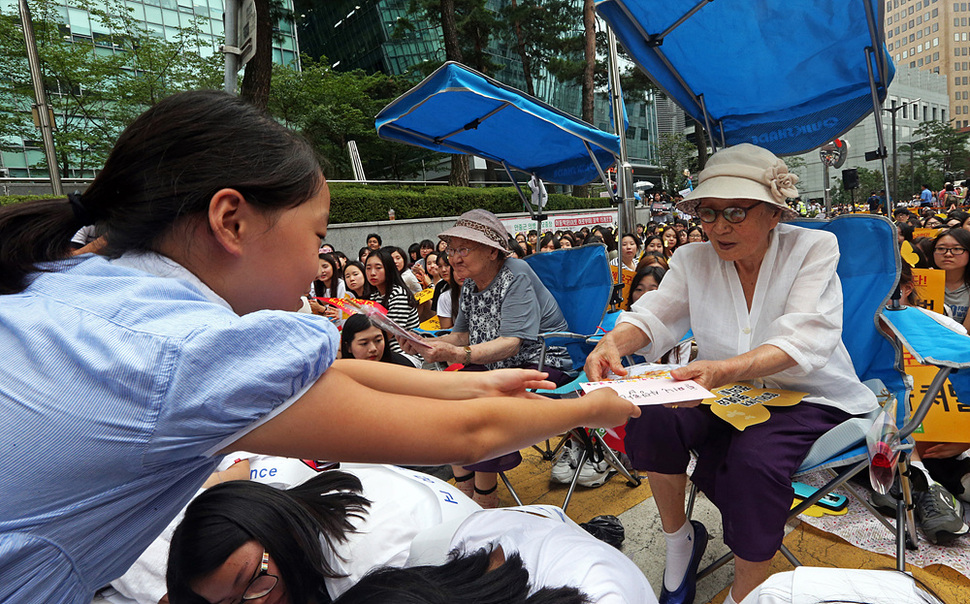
458 110
788 76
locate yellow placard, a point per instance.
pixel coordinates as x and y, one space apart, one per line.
424 295
743 405
627 280
921 232
948 419
432 324
930 284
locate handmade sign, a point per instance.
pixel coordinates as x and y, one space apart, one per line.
929 284
743 405
432 324
627 281
949 418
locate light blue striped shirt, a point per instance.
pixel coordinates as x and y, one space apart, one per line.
119 381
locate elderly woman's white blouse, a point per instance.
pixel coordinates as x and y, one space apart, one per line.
797 306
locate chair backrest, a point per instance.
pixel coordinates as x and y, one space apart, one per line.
580 280
868 268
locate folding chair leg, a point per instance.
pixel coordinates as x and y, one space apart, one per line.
572 483
508 485
790 556
713 566
862 499
633 480
690 500
907 518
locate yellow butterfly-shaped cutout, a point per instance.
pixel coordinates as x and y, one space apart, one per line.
743 405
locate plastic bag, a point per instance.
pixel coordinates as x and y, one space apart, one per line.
881 439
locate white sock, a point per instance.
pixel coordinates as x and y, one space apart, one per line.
730 598
680 545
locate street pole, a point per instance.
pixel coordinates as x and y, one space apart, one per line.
41 107
230 49
894 196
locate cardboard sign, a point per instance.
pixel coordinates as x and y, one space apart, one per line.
921 232
743 405
930 285
424 295
627 281
432 324
948 419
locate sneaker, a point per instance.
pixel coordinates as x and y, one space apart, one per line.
596 474
564 467
939 514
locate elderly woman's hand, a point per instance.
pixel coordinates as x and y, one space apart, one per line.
604 359
439 352
709 374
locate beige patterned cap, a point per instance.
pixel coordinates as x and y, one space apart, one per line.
480 226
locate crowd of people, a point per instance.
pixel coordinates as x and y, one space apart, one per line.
206 320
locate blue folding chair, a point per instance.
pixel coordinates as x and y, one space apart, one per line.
869 272
580 280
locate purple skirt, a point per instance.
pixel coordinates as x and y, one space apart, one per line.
746 474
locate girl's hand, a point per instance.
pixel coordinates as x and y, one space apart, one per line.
607 409
317 308
513 382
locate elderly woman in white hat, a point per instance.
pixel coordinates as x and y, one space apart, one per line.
502 308
765 306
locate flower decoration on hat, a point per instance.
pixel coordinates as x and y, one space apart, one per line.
781 182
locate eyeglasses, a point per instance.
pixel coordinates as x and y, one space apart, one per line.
461 252
732 215
262 583
954 251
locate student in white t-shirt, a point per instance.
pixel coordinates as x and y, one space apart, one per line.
467 561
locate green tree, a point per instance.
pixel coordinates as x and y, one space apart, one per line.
674 154
332 108
95 86
540 32
945 149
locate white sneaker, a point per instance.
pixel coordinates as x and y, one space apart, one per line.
595 474
564 467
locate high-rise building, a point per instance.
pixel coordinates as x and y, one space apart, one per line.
934 35
21 158
368 35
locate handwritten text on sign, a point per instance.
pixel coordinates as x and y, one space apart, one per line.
652 391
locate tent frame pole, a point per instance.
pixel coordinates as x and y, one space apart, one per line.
625 217
537 216
599 168
877 115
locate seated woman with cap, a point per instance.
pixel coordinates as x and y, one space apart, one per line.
503 307
765 305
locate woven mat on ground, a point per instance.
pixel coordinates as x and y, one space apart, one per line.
863 531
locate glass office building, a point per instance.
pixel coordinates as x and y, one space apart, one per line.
164 17
367 35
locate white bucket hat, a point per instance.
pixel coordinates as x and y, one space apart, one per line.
744 171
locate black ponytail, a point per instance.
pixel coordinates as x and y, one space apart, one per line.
166 166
